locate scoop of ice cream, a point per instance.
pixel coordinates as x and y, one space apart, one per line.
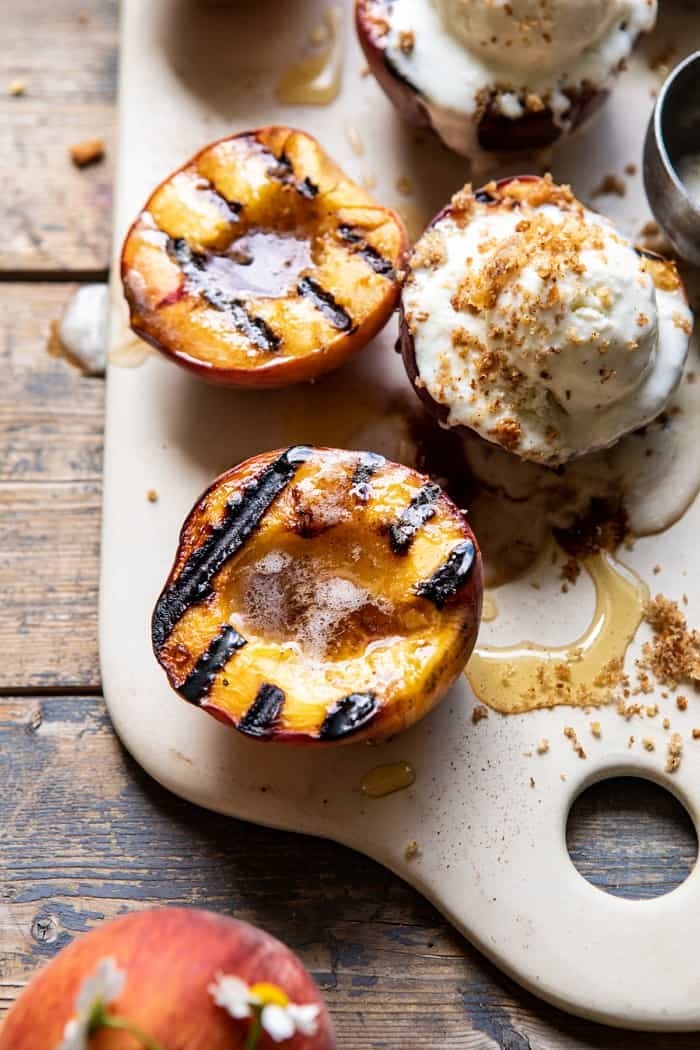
536 323
528 34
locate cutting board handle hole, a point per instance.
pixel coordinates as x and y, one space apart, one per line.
631 837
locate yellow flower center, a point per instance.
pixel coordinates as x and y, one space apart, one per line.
269 994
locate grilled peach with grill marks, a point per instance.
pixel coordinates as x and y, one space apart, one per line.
320 595
259 263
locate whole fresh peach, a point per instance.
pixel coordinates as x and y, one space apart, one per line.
169 957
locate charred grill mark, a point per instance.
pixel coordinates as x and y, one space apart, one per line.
374 260
244 513
421 509
254 328
446 581
262 714
348 715
367 466
325 302
201 678
194 267
282 170
307 188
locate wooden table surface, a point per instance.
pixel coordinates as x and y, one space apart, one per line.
84 834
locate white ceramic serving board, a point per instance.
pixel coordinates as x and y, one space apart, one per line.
492 853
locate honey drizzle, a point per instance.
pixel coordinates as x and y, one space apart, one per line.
129 354
384 780
316 80
526 676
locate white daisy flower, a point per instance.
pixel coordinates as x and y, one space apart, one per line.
96 992
278 1017
233 995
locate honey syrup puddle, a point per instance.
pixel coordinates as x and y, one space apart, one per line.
526 676
386 779
130 354
316 79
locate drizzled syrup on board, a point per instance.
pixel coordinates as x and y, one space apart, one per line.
316 79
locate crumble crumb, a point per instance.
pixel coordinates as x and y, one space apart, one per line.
630 169
89 151
666 723
570 734
674 753
648 743
596 730
696 734
16 88
682 703
673 654
543 746
656 570
630 742
532 782
611 186
412 850
404 185
407 41
152 496
479 713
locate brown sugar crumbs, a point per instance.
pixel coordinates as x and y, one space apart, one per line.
673 654
674 753
479 713
611 186
407 41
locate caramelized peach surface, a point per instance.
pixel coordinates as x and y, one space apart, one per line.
319 594
260 263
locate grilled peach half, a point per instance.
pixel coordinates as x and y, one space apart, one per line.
320 595
468 133
259 263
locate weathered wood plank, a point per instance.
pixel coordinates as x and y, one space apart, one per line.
56 217
82 841
50 491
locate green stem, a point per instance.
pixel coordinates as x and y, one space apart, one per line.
121 1023
253 1033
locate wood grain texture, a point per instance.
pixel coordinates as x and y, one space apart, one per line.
85 835
51 421
65 52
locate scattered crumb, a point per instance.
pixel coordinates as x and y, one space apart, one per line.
543 746
648 743
674 753
673 654
84 18
652 710
89 151
653 239
696 734
407 41
562 776
682 703
532 782
596 730
666 723
570 734
152 496
404 185
479 713
630 742
365 71
412 850
611 186
656 570
630 169
527 754
17 88
663 61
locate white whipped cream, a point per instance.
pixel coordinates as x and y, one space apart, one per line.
541 328
523 53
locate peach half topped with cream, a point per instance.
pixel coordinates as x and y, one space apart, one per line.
497 75
320 596
259 263
534 322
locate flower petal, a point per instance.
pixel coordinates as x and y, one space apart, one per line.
104 985
305 1017
233 994
277 1022
74 1035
